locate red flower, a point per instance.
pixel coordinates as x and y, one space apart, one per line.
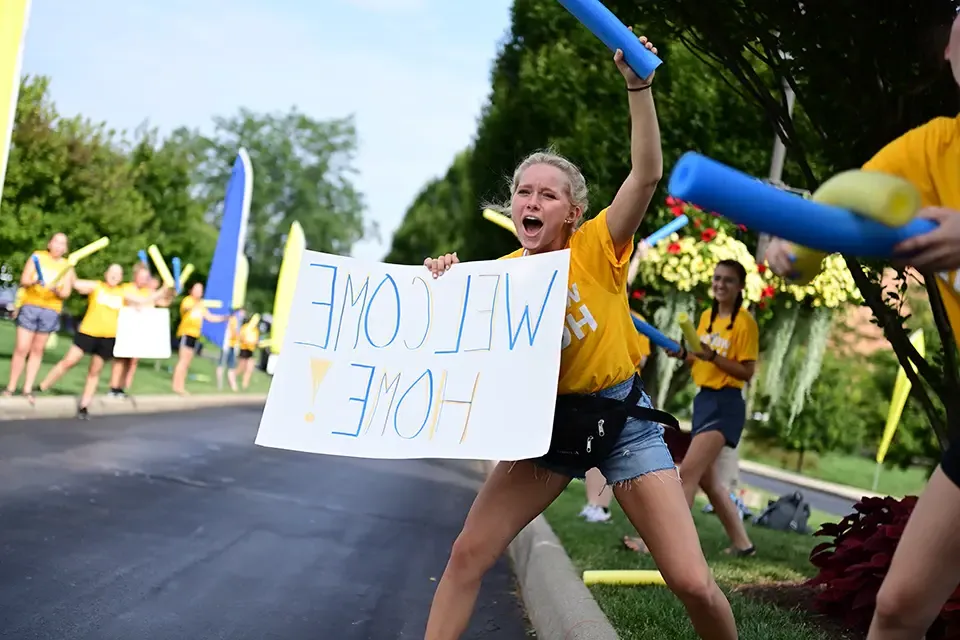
763 304
674 247
672 201
708 234
762 268
638 294
677 210
742 227
768 292
696 223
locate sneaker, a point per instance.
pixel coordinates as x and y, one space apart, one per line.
83 414
597 514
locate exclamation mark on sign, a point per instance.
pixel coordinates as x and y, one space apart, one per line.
318 371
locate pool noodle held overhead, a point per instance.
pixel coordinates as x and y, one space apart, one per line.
822 225
605 26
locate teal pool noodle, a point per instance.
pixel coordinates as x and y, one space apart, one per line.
713 186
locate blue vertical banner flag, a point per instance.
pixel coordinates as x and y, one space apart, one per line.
230 245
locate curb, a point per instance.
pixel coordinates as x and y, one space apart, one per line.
559 605
841 491
66 406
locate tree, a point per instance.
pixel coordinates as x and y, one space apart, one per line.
69 175
887 57
302 171
432 224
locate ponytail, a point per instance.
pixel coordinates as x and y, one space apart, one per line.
714 310
736 309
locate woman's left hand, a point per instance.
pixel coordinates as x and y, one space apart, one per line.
633 80
938 250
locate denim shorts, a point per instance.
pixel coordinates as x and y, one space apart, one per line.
228 357
38 319
640 449
722 410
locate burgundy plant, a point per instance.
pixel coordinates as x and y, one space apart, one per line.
853 564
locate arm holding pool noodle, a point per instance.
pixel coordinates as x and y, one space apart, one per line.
80 254
36 265
809 223
603 24
162 269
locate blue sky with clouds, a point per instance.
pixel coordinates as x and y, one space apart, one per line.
414 73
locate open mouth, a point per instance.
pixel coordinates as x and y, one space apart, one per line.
531 224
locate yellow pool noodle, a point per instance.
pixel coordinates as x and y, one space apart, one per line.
623 577
213 304
185 274
254 320
239 282
78 255
500 220
162 269
884 198
689 331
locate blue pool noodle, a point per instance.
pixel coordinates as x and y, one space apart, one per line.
746 200
603 24
176 273
36 265
142 255
677 223
656 337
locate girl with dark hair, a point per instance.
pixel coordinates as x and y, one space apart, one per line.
724 363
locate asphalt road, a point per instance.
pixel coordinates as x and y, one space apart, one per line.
177 526
826 502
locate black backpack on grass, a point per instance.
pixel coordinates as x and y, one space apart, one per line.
789 512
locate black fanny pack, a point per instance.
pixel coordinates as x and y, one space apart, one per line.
587 427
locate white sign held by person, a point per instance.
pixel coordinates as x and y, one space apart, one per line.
385 361
143 333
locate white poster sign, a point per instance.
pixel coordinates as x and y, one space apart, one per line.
143 333
385 361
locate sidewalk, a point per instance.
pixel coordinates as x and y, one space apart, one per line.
66 406
842 491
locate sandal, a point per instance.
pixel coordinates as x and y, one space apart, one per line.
741 553
30 397
635 544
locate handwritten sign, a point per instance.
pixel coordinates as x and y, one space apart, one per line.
143 333
384 361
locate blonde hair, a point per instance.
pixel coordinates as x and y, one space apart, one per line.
576 189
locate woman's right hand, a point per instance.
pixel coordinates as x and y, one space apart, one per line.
780 257
439 266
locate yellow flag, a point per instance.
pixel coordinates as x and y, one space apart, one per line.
901 390
13 29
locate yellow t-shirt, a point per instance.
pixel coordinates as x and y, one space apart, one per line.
103 310
249 337
191 317
645 348
600 345
42 296
740 343
233 334
142 292
929 157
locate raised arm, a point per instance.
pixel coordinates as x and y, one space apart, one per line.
85 287
630 204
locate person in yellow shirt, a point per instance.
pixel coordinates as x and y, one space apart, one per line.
924 569
228 355
143 291
247 341
96 334
193 313
38 315
598 360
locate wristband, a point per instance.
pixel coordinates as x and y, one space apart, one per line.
643 88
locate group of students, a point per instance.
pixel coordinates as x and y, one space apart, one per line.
40 303
599 362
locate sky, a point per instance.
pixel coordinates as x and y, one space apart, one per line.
413 73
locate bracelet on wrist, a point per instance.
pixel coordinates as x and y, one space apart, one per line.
640 88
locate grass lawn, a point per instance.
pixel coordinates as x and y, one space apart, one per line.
653 612
850 470
149 379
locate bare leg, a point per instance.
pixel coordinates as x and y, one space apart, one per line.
513 495
93 378
21 349
131 370
656 506
118 371
34 360
180 371
247 373
698 469
925 567
232 378
598 493
68 362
